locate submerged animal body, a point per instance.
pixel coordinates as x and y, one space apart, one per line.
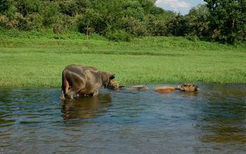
164 89
116 85
139 88
187 87
83 80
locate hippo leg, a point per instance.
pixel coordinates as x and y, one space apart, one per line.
95 93
62 97
69 94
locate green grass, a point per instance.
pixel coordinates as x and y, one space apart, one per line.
32 59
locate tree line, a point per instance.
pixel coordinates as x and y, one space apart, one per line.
217 20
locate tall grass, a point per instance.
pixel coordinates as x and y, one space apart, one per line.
34 59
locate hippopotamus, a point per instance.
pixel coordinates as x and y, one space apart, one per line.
83 80
187 87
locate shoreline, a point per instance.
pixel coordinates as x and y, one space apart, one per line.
129 85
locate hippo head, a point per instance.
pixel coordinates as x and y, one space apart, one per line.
115 85
189 87
107 78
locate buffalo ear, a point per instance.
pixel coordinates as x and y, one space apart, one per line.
112 77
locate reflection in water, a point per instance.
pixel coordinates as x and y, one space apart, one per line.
85 107
224 115
210 121
182 94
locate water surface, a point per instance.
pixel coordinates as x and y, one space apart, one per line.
210 121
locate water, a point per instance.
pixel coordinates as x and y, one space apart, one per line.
210 121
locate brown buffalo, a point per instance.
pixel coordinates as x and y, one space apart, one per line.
83 80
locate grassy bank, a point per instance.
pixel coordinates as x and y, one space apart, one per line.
34 59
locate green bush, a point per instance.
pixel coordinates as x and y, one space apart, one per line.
50 14
156 26
218 20
192 37
30 22
134 26
119 35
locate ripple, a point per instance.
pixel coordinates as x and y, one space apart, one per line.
210 121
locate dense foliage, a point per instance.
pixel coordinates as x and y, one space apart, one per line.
218 20
113 18
227 20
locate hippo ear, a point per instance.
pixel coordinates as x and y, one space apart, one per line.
112 77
